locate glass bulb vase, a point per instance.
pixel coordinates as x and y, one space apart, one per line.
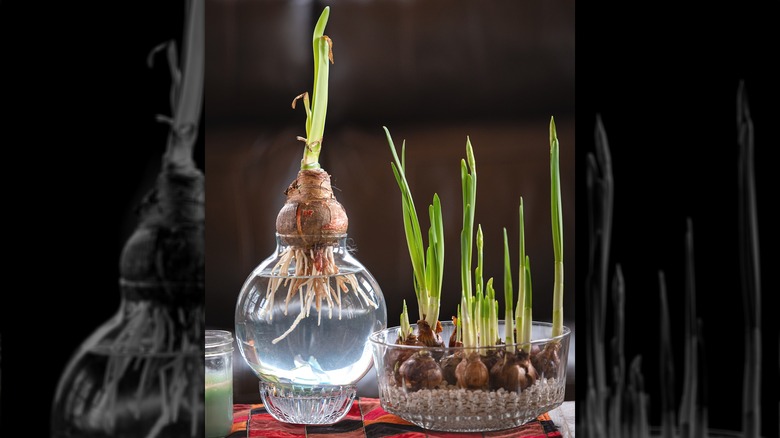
303 318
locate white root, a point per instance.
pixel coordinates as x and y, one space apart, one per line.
298 319
311 283
281 266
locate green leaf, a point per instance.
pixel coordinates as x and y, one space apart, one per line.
427 263
315 120
557 230
508 295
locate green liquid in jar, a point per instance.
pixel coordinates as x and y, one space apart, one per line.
219 405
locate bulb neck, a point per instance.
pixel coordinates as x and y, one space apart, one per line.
284 241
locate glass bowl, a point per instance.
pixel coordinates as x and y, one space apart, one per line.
517 390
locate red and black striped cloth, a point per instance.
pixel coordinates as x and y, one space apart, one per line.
367 419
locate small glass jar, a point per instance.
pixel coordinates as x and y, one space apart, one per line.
219 383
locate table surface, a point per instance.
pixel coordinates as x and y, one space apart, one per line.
367 419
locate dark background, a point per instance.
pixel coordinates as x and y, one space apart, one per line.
664 80
82 147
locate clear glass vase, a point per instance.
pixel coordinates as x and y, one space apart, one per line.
303 319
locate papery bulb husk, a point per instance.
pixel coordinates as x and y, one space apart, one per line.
311 215
547 361
395 357
493 356
514 372
420 371
454 336
449 365
428 336
471 373
168 245
431 338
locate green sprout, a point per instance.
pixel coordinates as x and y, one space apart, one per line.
557 231
315 114
406 328
525 339
521 289
491 315
508 296
427 264
468 176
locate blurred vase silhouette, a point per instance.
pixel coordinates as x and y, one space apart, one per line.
140 374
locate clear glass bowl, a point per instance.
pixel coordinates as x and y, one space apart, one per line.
502 403
303 318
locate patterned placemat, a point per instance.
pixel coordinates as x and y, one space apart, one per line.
367 419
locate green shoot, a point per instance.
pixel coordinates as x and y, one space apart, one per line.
434 267
508 296
494 321
479 284
527 315
468 177
468 329
427 265
521 288
406 328
480 308
315 115
492 315
458 327
557 231
470 307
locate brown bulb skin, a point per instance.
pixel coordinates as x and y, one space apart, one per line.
311 214
471 373
547 360
420 371
514 373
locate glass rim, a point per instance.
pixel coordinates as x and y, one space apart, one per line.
218 342
374 338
